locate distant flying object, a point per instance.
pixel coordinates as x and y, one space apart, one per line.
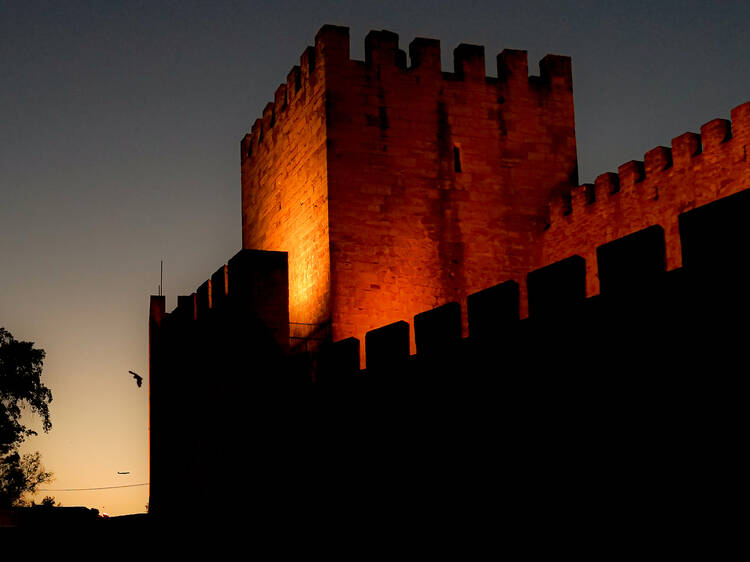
138 378
118 472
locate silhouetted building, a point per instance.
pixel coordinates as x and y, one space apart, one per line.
374 192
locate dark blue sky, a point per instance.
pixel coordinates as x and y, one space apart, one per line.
120 126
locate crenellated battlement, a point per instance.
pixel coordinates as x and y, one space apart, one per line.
330 56
394 203
697 169
716 142
300 79
248 292
636 286
391 168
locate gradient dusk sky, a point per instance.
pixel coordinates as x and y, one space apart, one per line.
120 126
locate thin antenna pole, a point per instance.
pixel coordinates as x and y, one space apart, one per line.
161 276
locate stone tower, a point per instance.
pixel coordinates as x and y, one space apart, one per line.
396 188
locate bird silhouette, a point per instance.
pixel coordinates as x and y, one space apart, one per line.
138 378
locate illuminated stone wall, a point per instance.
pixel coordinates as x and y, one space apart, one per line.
698 169
424 185
437 180
285 192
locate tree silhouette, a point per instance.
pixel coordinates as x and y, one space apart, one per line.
20 388
48 501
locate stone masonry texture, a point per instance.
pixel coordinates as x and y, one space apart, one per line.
696 170
396 189
399 188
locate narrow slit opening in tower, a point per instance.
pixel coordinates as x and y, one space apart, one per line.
383 118
456 159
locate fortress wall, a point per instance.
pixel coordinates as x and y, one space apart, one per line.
397 188
438 181
249 295
284 188
698 169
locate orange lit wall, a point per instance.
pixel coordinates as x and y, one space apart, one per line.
437 180
698 169
285 192
425 185
396 188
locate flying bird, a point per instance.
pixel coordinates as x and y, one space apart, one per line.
138 378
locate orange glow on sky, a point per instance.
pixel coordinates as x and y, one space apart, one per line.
99 427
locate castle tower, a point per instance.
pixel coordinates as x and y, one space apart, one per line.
396 188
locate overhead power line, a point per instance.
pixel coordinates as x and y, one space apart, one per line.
87 489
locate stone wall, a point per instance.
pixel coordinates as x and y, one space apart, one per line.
437 180
698 169
423 185
285 190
